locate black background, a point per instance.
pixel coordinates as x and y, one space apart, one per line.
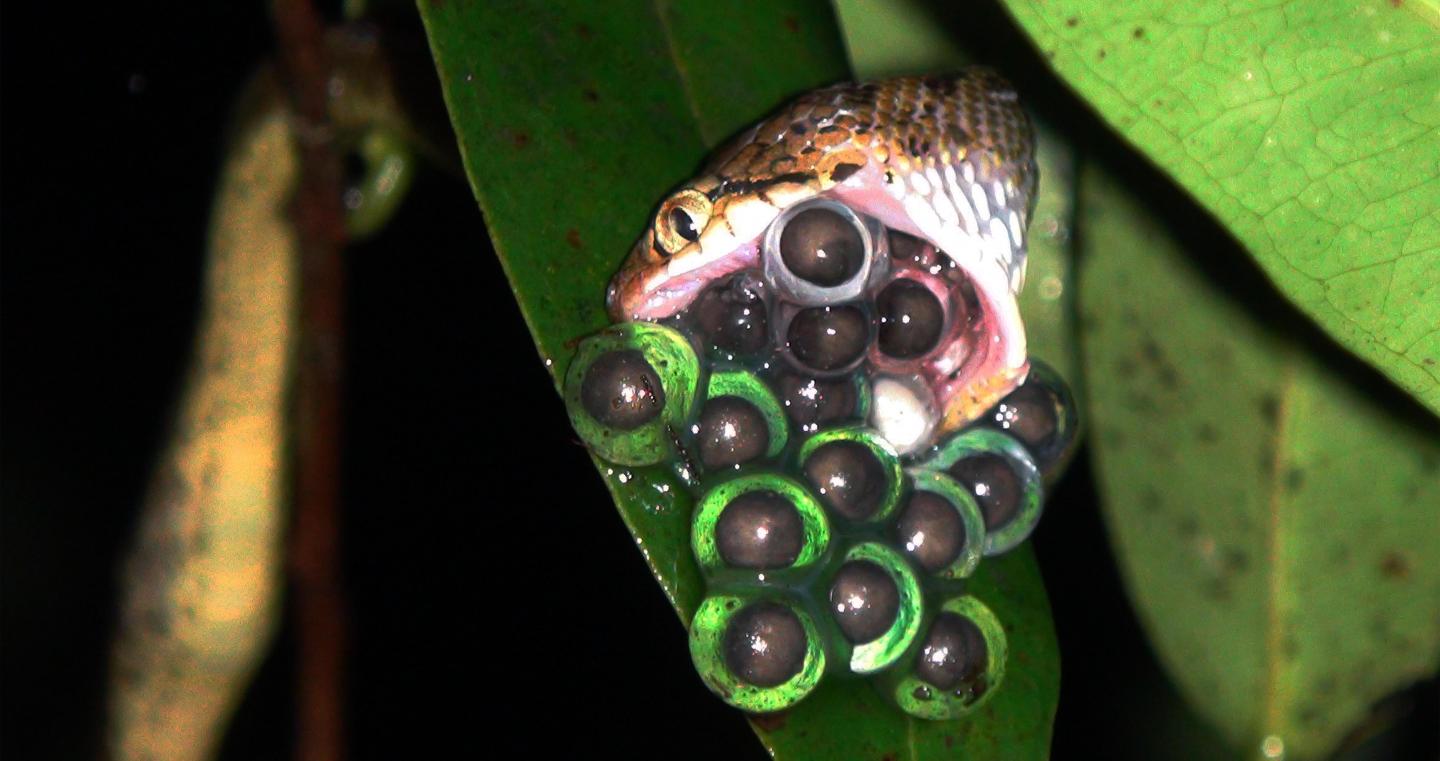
496 603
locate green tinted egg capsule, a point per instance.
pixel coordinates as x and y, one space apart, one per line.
954 665
855 472
760 526
875 605
1001 476
628 390
739 422
759 653
939 525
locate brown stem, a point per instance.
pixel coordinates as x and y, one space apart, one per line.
320 222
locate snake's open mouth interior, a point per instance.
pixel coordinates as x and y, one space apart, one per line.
830 294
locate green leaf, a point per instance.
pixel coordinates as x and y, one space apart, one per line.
573 121
1307 128
1273 504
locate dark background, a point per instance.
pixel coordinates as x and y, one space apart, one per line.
496 602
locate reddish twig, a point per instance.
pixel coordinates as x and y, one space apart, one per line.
320 222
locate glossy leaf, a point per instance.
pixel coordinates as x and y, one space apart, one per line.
1309 129
573 121
1274 505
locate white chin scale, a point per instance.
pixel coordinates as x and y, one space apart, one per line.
903 413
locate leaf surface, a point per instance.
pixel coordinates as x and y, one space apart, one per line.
1311 130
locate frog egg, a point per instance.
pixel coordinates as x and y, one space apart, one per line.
1001 476
765 644
758 652
814 402
628 387
940 526
1041 414
959 661
622 391
827 340
996 486
911 319
821 252
732 317
864 599
761 527
904 412
740 421
875 605
855 472
760 530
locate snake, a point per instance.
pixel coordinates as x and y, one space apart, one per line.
949 159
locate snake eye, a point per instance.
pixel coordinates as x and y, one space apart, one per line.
819 252
683 224
681 219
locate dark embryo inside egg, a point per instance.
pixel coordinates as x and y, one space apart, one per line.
759 530
829 337
822 247
731 431
621 390
765 644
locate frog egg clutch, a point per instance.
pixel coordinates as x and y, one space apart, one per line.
833 524
849 405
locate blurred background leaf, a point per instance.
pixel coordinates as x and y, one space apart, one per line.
1273 503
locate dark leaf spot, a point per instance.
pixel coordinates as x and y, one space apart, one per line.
1394 567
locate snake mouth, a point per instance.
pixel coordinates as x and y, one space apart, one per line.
828 295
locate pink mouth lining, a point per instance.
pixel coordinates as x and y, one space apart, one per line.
975 365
